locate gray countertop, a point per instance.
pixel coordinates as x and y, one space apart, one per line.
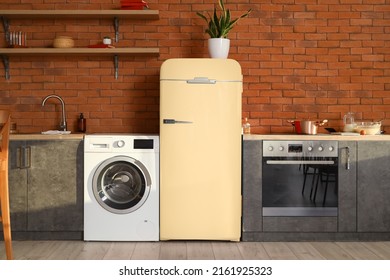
24 137
382 137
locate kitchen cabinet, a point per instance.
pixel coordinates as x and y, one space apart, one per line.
373 186
46 188
115 15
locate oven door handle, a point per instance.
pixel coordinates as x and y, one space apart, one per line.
318 162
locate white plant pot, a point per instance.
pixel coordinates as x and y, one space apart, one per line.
219 47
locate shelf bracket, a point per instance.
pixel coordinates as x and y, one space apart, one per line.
6 66
6 29
116 67
116 26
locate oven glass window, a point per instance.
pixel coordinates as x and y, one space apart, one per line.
300 186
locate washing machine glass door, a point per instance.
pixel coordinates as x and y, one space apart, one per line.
121 184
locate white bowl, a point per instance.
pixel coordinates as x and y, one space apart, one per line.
370 128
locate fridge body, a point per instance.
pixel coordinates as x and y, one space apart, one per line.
200 149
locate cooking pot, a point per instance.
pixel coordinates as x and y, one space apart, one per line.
307 127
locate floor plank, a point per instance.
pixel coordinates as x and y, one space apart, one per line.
358 251
173 250
146 251
279 251
67 250
120 251
93 251
40 250
253 251
331 251
304 251
381 249
198 250
226 251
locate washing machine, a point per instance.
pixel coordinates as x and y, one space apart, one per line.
121 187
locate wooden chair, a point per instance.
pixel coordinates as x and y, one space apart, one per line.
4 194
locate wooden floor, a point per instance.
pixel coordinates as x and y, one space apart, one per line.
198 250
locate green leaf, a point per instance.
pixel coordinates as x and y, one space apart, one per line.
220 26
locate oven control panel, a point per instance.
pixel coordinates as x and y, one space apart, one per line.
284 148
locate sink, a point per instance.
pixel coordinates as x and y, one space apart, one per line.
56 132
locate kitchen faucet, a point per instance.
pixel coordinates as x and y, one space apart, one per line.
63 120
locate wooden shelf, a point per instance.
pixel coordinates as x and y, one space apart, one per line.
83 51
130 14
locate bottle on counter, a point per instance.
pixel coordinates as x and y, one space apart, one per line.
246 127
82 123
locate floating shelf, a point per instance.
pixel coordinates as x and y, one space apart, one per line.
130 14
84 51
5 52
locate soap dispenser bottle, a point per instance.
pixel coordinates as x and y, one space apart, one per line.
82 123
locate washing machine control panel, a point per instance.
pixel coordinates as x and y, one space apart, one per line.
135 144
120 144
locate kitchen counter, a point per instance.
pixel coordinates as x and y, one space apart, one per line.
382 137
27 136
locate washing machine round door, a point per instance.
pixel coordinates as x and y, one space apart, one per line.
121 184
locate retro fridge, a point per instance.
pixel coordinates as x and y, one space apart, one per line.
200 149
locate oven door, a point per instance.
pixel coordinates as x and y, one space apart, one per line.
300 187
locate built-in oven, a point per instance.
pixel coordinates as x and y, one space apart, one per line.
300 178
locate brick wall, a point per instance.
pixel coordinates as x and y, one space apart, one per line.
301 59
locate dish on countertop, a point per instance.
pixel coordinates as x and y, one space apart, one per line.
369 128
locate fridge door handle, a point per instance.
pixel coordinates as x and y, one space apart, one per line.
172 121
201 80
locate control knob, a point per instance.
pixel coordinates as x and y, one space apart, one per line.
320 148
281 148
310 148
121 143
331 149
270 148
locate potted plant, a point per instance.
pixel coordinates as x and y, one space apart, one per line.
218 27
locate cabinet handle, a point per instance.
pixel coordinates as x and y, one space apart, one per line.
24 157
348 164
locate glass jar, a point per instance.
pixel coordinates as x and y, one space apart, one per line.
349 122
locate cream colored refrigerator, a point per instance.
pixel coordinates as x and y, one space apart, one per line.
200 149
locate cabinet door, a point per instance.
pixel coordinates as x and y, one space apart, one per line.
373 186
347 186
251 184
17 181
55 186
